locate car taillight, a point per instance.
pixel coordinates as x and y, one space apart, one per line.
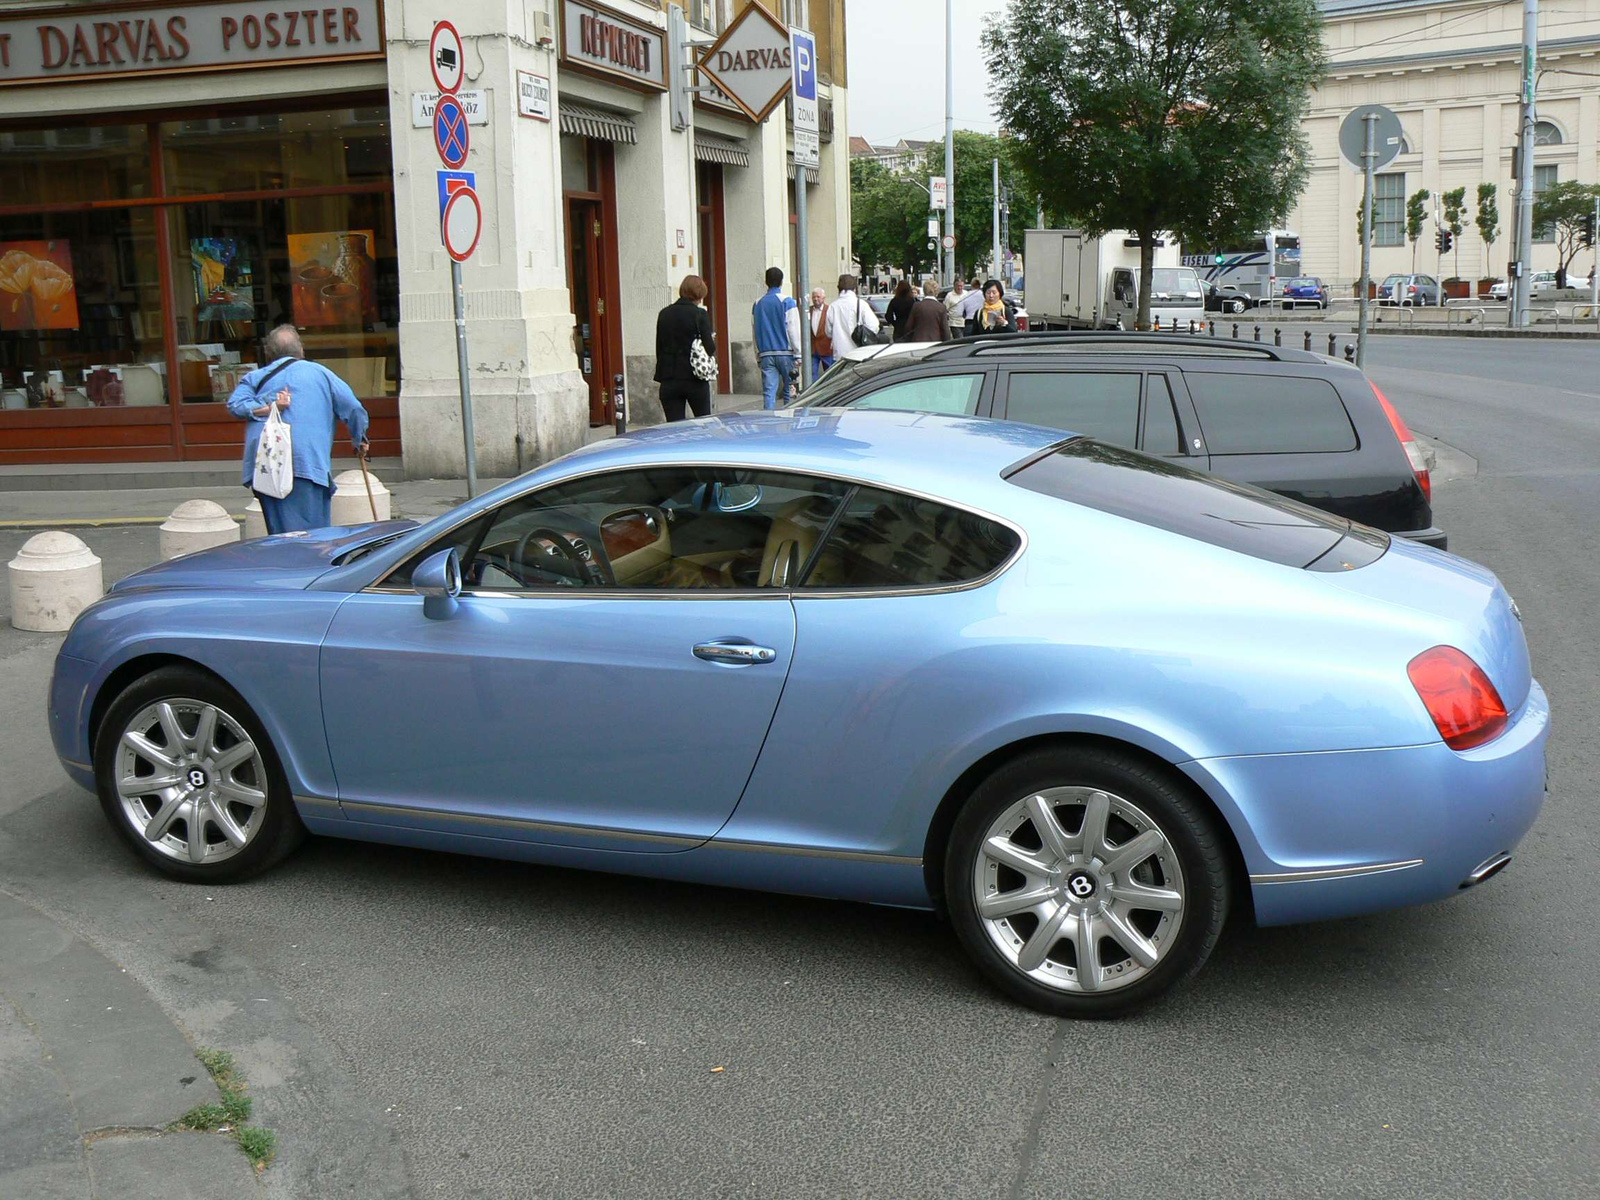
1466 709
1414 455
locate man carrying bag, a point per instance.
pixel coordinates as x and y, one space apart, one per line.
851 321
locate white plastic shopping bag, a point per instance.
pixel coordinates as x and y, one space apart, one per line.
274 474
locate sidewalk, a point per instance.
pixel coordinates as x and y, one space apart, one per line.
72 508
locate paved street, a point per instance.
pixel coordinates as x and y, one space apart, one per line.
417 1024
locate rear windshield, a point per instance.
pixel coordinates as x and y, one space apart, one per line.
844 374
1156 492
1270 414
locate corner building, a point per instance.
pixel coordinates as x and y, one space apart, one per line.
180 177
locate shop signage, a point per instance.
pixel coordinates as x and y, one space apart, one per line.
476 105
751 62
936 192
533 96
710 95
596 38
57 45
803 54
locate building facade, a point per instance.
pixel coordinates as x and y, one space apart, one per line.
1451 70
183 177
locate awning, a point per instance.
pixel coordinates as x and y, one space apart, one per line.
579 120
718 150
813 175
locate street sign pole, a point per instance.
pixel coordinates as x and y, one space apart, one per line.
803 65
458 203
465 376
1368 157
1369 138
1594 271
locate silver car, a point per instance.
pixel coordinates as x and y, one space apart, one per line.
1408 291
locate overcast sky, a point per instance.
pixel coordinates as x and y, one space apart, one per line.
897 68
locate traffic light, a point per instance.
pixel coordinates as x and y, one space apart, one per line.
1443 239
1588 231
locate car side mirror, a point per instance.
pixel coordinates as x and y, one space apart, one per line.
438 581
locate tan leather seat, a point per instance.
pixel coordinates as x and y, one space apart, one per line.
791 540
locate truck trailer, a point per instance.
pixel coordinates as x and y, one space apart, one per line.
1080 282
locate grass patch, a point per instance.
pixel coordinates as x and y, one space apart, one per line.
259 1145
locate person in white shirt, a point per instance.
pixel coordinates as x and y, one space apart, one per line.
847 312
971 304
954 297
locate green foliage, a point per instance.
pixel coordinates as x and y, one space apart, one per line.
888 218
1488 218
974 190
1455 210
259 1145
1158 115
1563 206
1416 217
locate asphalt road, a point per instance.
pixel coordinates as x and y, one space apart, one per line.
429 1025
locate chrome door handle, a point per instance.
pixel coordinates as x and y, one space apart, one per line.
740 653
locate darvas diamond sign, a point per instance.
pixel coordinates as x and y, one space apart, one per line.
750 62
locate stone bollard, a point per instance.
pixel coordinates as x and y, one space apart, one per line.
255 524
197 525
350 505
54 577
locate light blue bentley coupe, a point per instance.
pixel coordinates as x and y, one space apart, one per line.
1084 701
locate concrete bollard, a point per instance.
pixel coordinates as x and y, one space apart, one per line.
54 577
350 505
255 524
197 525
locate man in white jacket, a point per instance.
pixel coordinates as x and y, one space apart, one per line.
845 313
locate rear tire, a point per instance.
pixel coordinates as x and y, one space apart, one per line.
188 778
1069 861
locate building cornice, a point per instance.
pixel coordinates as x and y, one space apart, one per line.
1469 56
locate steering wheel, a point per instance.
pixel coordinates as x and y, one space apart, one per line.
590 569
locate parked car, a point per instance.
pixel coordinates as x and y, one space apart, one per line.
1306 289
1411 291
1226 298
1308 427
1544 287
1084 701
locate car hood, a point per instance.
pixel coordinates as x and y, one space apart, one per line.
290 560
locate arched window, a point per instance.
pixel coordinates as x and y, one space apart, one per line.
1545 133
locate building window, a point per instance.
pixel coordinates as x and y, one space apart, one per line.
1546 134
1389 209
1544 175
703 15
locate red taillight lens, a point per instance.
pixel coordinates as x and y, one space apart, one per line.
1464 705
1414 455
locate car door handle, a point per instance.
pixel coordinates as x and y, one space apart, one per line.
737 653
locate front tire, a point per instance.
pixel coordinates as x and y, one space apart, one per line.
1236 307
187 776
1085 883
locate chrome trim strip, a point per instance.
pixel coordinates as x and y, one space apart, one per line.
434 814
1335 872
896 860
82 766
317 802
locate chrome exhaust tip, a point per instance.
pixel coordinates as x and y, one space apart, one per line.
1492 865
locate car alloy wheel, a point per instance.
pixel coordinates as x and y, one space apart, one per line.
1236 306
1079 889
191 780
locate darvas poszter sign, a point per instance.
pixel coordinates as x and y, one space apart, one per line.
58 45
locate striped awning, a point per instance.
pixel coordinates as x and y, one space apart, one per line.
813 175
719 150
579 120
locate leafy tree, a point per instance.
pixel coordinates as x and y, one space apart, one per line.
1416 217
974 191
1564 206
1455 218
1488 219
888 218
1158 116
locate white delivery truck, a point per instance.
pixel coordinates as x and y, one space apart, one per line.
1079 282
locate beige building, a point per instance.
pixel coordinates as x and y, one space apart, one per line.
1451 70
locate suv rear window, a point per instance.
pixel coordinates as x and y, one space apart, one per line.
1168 496
1270 414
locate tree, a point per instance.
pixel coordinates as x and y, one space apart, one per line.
1455 219
1416 217
888 218
1565 206
1158 116
974 191
1488 219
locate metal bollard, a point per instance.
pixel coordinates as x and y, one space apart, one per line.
1236 331
1214 328
619 393
1308 340
1333 347
1191 324
1277 337
1158 323
1258 333
1350 352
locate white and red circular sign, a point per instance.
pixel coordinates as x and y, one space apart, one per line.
445 59
949 242
462 223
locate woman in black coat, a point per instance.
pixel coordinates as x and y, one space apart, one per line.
995 315
899 309
677 326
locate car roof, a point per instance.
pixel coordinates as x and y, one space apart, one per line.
1092 346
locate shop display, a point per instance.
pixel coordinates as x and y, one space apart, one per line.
222 286
335 278
36 286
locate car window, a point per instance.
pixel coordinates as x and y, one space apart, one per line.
1270 414
953 394
886 539
1102 404
1425 280
1122 287
667 528
1160 420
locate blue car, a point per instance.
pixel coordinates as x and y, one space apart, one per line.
1084 701
1307 289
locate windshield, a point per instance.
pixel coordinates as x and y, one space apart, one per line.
1174 281
1306 282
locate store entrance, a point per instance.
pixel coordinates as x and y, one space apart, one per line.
585 279
713 264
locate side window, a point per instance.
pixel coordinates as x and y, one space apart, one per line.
885 540
953 394
1101 404
1264 414
657 528
1122 288
462 537
1160 420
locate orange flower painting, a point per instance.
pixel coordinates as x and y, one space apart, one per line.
36 286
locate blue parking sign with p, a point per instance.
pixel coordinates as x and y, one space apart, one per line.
805 65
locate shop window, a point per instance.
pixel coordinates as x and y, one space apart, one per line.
270 151
85 162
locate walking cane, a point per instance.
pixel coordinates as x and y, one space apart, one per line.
361 457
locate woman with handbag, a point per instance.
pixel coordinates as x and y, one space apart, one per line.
686 352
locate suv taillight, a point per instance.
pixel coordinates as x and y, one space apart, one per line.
1414 455
1466 709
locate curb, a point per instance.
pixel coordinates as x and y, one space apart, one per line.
89 522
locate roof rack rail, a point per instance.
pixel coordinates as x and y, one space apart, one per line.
1081 337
